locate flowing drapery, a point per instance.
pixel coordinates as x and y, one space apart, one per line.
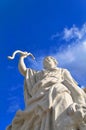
47 96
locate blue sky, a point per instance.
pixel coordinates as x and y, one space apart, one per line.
48 27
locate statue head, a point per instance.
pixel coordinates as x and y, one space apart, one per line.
49 62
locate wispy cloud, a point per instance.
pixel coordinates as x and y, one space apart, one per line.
73 33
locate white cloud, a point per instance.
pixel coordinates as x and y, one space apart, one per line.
84 45
74 33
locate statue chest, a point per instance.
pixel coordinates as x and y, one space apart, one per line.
48 74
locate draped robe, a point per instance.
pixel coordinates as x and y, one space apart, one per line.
47 93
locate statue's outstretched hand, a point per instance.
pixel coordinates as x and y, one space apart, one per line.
23 54
21 65
26 54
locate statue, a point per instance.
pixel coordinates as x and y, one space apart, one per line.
52 97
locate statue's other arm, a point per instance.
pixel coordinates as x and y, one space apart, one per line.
67 76
77 93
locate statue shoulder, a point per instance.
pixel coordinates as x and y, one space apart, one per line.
65 71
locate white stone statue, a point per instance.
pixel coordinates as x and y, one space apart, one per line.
52 97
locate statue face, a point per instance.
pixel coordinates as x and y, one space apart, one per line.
49 62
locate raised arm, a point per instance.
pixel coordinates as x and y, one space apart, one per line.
21 65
